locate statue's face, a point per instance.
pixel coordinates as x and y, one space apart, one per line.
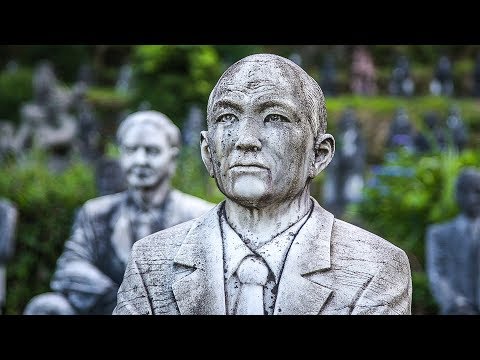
146 156
470 197
260 140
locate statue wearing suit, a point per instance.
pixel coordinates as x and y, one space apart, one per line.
269 247
453 253
91 267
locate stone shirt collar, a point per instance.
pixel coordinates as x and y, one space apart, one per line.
273 252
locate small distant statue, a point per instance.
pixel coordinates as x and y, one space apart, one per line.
86 75
47 122
456 128
11 67
442 82
329 76
453 252
192 126
433 136
363 73
124 80
345 179
7 133
88 138
8 225
401 82
401 133
92 265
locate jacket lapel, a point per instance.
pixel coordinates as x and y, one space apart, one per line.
309 253
202 292
121 238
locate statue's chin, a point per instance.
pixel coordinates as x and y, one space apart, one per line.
248 189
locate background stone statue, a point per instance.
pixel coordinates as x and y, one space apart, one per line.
453 253
345 176
46 122
457 131
442 82
92 264
269 247
363 73
401 82
7 132
401 132
8 225
433 136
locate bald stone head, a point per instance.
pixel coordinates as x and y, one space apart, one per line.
266 135
261 71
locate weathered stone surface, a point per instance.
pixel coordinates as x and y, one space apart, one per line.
266 141
92 265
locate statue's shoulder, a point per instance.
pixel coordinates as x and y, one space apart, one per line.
364 244
183 199
103 204
163 240
443 228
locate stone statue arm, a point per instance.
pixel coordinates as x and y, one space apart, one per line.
76 275
132 296
64 134
436 260
22 137
389 291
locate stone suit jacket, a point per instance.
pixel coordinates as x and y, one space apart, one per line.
453 266
332 267
91 267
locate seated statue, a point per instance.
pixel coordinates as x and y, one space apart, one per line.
452 252
269 248
91 267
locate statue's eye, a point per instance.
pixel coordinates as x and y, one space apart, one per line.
227 118
276 118
129 149
152 150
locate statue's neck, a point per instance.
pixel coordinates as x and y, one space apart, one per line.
150 197
260 225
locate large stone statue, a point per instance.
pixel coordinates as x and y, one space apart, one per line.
91 267
453 252
269 247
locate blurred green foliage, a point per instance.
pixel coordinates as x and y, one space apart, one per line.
375 114
408 193
15 88
46 204
66 58
192 177
171 78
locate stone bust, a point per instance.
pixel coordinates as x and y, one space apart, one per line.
269 247
91 267
452 251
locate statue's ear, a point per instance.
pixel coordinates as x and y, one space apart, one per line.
324 149
205 152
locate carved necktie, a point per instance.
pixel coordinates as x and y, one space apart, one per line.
144 227
252 274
